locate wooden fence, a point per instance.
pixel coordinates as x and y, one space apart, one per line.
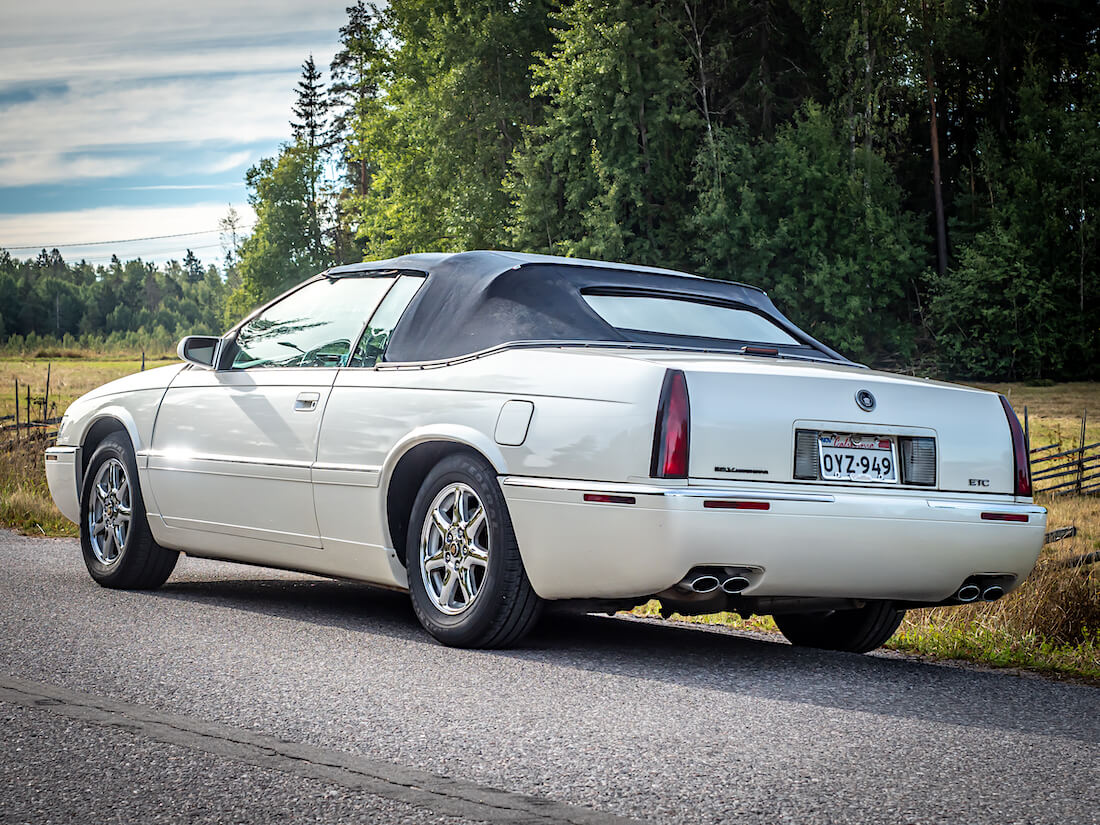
1061 472
35 414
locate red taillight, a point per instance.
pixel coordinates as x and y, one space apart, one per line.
1005 517
670 437
1021 461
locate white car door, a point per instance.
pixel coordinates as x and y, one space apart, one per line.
362 423
233 448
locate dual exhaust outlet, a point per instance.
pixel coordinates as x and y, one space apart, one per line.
732 582
709 582
988 590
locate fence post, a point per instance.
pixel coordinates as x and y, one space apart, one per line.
1081 452
16 409
46 402
29 433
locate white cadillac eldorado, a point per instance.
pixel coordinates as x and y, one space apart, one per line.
491 431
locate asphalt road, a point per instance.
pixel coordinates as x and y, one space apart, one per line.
243 695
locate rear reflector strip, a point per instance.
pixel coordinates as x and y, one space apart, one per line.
600 498
1005 516
723 504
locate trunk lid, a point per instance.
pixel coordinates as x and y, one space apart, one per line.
748 415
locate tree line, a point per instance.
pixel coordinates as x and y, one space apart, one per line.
913 181
133 305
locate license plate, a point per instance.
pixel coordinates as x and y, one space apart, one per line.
860 458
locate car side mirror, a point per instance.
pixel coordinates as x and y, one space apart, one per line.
200 350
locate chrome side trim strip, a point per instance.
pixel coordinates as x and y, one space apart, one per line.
346 475
173 455
615 488
267 471
357 468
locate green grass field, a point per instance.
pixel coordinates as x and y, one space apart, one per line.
1051 624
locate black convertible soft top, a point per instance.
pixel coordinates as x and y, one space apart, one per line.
473 301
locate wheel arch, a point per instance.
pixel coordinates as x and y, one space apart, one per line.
104 425
410 461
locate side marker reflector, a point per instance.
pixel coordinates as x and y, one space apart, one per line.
1005 516
600 498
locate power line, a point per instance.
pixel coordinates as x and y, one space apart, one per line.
124 240
95 260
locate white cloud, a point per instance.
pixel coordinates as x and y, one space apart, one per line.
73 231
26 168
229 163
175 187
232 109
97 89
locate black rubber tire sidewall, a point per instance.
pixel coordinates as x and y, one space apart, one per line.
853 631
142 562
493 619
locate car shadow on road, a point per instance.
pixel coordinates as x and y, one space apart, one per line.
697 657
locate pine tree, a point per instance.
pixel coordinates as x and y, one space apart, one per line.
192 267
357 73
310 109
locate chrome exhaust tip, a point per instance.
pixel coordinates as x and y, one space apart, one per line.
735 584
704 584
968 593
993 592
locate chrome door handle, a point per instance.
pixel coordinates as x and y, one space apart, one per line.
306 401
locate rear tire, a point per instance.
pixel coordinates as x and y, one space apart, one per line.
466 578
855 631
118 547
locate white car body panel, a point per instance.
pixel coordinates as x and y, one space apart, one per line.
231 467
232 453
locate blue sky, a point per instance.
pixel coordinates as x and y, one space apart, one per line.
123 119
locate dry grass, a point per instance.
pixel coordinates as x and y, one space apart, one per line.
25 501
70 377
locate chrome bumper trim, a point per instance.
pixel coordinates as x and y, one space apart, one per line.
1001 506
615 488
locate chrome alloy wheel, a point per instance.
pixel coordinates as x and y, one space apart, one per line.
110 512
454 549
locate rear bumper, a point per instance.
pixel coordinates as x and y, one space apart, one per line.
62 466
844 544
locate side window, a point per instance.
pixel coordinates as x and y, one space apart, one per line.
385 318
312 327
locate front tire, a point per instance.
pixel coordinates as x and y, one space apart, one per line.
118 547
466 578
854 631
